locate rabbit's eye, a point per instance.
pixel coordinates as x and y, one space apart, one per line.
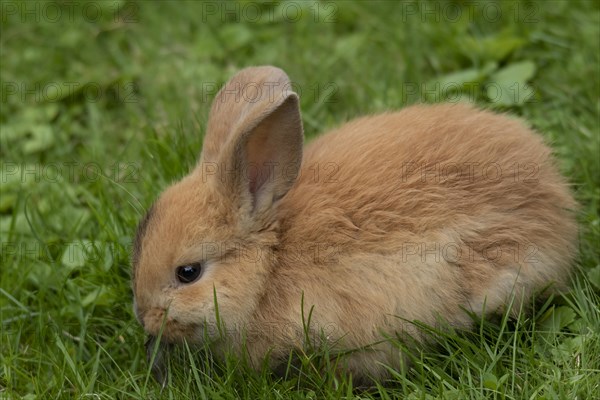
189 273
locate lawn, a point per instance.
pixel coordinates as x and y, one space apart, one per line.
103 103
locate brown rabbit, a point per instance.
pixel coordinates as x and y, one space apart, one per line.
392 218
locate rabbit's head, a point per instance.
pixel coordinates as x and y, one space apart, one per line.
204 251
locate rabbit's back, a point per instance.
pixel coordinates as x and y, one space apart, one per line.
447 186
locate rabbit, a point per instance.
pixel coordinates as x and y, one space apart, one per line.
427 214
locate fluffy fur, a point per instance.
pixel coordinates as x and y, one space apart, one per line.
403 216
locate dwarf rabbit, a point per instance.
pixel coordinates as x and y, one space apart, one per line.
415 215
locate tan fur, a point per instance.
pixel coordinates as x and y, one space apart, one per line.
411 215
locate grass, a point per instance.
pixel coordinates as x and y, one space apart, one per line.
104 103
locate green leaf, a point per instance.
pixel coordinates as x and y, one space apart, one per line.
7 202
508 86
97 296
20 224
490 381
518 72
42 139
438 89
494 47
76 254
559 318
39 113
594 276
459 78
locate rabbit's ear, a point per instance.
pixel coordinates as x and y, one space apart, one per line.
254 138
